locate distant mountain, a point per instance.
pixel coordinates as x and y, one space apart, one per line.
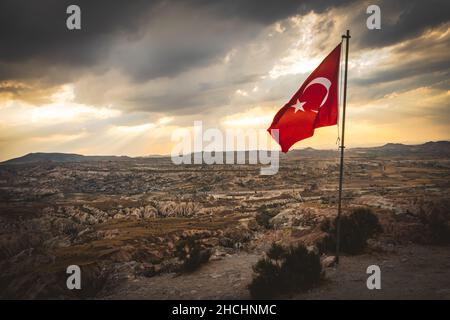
436 149
60 157
310 153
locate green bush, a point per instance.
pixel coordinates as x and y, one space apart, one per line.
284 271
192 254
356 228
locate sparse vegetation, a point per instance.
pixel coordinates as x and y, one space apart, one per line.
436 219
285 270
235 237
356 228
263 218
192 254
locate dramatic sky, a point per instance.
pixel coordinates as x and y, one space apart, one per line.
138 70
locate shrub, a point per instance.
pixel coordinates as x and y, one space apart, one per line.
285 270
436 219
356 228
235 237
439 228
192 254
263 219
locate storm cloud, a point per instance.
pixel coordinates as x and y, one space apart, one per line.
146 39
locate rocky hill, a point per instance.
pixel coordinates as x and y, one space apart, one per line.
60 157
439 149
436 149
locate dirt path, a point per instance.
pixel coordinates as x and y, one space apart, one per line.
411 272
221 279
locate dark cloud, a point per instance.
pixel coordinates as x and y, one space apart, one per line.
35 38
405 70
150 39
34 33
145 41
37 29
267 12
401 20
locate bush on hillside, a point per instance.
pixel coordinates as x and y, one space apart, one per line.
192 254
285 270
263 218
356 228
436 218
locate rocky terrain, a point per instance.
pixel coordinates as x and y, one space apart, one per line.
121 219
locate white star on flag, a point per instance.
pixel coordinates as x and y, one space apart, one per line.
298 106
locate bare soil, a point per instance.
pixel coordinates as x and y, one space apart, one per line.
407 272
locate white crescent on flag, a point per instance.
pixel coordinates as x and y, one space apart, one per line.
320 80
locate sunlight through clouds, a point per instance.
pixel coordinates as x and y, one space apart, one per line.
256 117
132 91
298 58
62 109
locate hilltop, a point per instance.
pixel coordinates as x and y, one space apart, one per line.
431 149
60 157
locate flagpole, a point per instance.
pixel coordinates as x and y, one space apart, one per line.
342 147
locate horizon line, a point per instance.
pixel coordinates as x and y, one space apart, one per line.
223 151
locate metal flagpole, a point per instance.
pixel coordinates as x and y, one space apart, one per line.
342 147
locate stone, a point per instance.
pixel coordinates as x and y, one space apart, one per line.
313 249
328 262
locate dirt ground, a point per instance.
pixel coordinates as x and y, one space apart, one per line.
226 278
406 273
410 272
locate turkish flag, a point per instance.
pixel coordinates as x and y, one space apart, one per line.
314 105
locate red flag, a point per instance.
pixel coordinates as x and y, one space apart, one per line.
314 105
